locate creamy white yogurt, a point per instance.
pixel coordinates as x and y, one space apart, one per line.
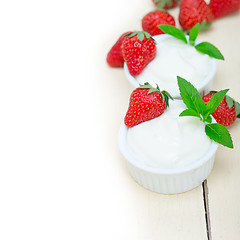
169 141
175 58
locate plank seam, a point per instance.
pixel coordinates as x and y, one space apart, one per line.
206 208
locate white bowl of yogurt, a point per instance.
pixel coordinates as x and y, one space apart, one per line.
168 154
175 58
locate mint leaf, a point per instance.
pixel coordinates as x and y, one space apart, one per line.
173 31
190 96
210 50
189 112
194 33
219 134
208 119
214 101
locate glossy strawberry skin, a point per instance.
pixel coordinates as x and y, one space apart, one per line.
137 54
222 8
143 107
151 21
166 5
114 56
193 12
223 114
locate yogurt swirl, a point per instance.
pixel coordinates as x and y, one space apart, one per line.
169 141
175 58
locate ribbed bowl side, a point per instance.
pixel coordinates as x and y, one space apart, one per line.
174 183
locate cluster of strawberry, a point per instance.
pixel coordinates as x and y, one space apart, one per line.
198 11
138 48
147 102
191 12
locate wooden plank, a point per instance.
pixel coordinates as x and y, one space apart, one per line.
224 196
223 183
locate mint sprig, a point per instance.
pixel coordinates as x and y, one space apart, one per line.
197 108
203 47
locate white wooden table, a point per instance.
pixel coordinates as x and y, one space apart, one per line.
147 215
61 173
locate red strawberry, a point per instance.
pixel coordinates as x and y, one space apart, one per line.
222 8
226 112
166 4
138 50
146 103
193 12
114 56
151 21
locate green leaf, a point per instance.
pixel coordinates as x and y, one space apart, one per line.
210 50
161 4
237 109
132 34
147 85
190 96
219 134
204 25
165 96
194 33
140 36
189 112
229 101
209 119
214 101
147 35
173 31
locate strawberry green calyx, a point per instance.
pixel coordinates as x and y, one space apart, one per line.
140 35
203 47
165 95
204 25
147 85
230 102
165 4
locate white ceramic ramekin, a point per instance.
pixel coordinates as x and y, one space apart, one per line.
168 181
203 86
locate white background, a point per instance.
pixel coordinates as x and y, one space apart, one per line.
61 174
